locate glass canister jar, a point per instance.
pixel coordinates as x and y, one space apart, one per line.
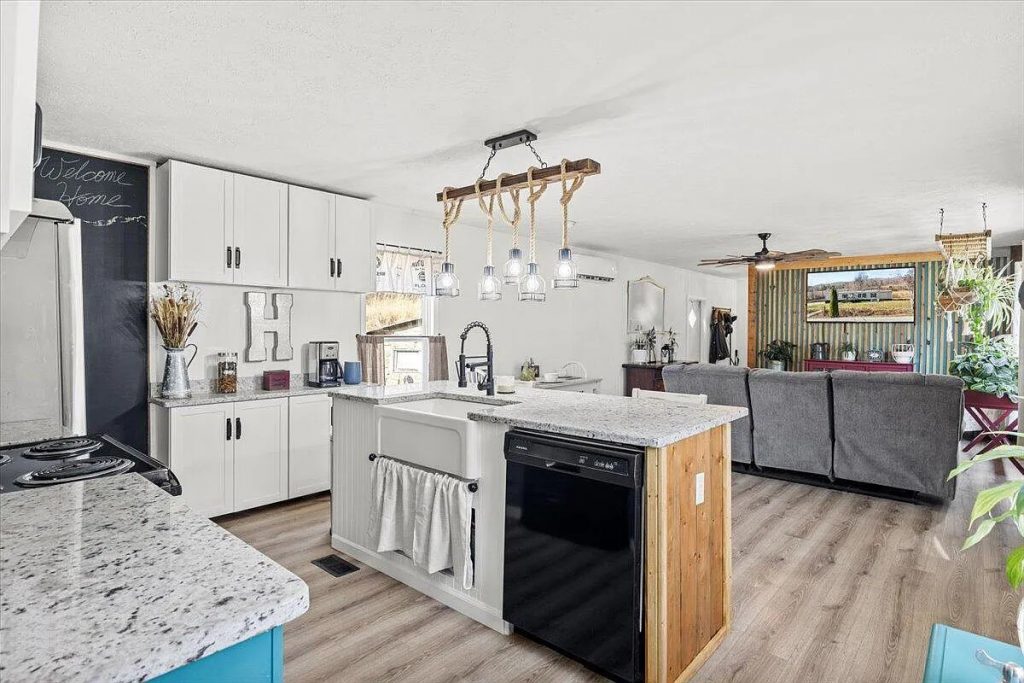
227 372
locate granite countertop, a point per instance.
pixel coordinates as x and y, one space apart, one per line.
31 430
205 397
573 382
636 421
112 579
658 364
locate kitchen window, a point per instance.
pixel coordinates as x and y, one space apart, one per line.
402 311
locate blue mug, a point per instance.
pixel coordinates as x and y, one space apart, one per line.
353 372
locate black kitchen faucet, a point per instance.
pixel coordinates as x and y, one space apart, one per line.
487 384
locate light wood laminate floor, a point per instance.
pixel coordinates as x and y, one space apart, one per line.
826 586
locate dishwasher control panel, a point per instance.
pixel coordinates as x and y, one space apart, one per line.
611 461
603 462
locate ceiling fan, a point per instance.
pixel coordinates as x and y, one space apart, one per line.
765 259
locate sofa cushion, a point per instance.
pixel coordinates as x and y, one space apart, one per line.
792 420
724 385
898 429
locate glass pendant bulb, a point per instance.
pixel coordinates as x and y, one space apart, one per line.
532 286
489 288
565 271
446 283
514 266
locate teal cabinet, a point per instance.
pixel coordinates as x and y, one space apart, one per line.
951 657
259 659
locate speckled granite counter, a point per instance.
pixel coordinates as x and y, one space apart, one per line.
636 421
114 580
204 397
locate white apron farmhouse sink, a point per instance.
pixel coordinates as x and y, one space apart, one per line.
432 433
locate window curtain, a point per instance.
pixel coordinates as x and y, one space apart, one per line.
371 355
405 271
438 349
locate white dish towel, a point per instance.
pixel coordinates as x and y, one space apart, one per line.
426 515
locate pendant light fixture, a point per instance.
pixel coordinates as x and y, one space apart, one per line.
513 270
446 283
565 267
532 286
489 288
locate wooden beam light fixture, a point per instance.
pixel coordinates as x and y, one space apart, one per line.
535 180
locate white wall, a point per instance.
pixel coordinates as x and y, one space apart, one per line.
316 316
587 324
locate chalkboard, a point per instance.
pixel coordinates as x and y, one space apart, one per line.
111 198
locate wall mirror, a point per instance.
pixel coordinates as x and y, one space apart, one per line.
645 305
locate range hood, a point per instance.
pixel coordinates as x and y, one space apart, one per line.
15 243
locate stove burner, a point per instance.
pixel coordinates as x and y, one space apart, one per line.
62 448
4 458
75 470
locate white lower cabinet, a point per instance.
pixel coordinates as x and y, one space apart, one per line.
309 444
235 456
201 453
261 452
230 456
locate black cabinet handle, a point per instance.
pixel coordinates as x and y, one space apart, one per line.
332 266
228 435
229 257
339 267
238 257
238 428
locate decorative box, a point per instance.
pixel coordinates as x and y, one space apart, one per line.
276 380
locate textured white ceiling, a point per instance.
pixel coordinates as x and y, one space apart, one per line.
837 126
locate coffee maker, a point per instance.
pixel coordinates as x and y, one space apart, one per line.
323 369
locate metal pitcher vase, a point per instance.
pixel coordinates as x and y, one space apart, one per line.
175 384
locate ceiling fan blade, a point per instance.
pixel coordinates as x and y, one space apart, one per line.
809 254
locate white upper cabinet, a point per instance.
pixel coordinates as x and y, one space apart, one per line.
311 263
231 228
260 232
199 223
355 247
19 39
331 242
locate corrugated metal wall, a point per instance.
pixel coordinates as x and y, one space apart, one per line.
781 315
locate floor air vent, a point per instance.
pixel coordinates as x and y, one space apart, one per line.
335 566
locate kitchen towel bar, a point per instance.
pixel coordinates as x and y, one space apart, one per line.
473 485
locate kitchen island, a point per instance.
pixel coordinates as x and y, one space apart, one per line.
686 491
112 579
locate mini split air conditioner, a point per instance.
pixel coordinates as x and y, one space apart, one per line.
595 268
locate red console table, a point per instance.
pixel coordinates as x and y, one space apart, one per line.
862 365
1004 420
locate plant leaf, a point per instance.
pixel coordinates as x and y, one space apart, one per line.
995 454
989 498
1015 567
980 533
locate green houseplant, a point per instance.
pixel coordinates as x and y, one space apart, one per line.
1001 503
989 367
848 350
778 353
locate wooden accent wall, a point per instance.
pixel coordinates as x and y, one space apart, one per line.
777 311
688 555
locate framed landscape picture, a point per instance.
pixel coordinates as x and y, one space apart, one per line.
862 295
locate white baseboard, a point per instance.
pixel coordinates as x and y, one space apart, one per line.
464 604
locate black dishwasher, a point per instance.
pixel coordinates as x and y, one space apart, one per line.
573 548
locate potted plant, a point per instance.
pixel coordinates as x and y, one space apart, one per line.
989 367
638 350
651 344
848 351
778 353
669 349
175 312
1002 503
983 297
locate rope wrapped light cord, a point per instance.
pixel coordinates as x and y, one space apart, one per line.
488 210
532 199
517 212
452 208
567 193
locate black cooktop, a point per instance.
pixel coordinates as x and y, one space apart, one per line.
58 461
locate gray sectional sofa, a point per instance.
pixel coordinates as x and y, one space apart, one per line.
894 430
